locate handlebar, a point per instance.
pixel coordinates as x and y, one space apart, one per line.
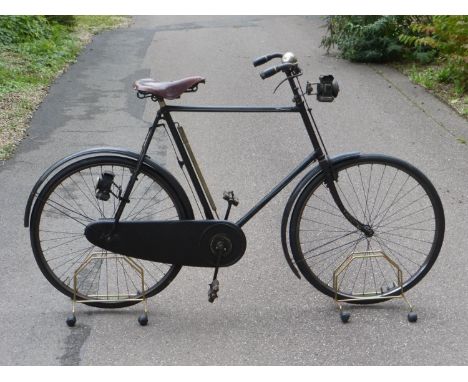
264 59
275 69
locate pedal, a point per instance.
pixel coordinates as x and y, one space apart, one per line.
230 198
213 291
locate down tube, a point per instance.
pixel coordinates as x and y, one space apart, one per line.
262 203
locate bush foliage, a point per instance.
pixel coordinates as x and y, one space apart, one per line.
447 37
368 38
442 40
18 29
32 51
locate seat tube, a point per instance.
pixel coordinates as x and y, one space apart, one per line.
188 164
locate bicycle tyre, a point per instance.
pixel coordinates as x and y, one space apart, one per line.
363 198
76 205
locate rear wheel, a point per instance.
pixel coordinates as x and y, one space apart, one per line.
68 202
400 205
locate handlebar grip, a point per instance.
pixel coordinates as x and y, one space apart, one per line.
264 59
269 72
275 69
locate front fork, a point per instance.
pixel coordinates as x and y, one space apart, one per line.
330 178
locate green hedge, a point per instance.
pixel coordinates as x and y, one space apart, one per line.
442 40
18 29
367 38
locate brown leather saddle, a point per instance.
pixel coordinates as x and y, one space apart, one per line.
167 90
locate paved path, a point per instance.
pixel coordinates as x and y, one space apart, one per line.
264 315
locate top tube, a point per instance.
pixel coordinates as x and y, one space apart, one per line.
231 109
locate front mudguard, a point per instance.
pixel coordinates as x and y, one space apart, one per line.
310 177
104 151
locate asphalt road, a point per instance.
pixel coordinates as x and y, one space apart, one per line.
264 316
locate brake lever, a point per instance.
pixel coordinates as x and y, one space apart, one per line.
287 78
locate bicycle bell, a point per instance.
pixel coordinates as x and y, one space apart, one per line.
289 58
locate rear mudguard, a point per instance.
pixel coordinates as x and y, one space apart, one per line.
105 151
310 177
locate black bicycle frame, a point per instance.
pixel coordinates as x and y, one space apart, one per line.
164 113
232 109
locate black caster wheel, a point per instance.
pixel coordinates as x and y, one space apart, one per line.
71 320
143 319
344 317
412 316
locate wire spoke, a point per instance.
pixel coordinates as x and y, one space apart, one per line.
329 250
94 204
62 237
410 214
377 193
327 212
392 252
349 205
86 217
147 207
395 200
139 200
385 197
154 213
61 213
366 195
61 244
403 246
346 271
404 208
405 237
322 223
327 243
337 237
336 256
355 193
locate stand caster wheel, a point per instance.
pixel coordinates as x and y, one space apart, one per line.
143 319
344 317
71 320
412 316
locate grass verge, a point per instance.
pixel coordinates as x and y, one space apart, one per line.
27 69
435 79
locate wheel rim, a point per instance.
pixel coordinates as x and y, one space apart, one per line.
397 202
70 204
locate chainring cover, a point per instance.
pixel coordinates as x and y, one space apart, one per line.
198 243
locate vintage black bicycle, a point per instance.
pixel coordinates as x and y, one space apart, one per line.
125 212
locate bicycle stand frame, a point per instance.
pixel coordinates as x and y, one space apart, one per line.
113 297
412 317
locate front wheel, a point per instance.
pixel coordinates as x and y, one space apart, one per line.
68 203
401 206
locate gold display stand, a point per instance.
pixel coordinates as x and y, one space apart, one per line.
99 256
412 316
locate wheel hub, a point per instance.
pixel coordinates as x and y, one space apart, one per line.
368 231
